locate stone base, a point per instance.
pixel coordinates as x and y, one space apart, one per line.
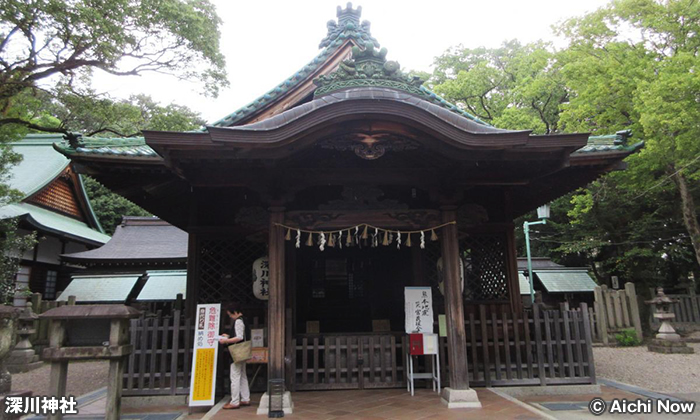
24 368
669 347
21 361
460 398
287 404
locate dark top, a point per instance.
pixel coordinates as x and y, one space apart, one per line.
241 331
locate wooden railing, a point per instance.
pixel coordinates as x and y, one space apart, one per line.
162 356
348 361
686 308
528 348
531 348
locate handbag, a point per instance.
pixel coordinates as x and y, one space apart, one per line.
241 351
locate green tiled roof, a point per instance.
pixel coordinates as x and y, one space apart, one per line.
617 142
348 27
40 163
54 222
129 147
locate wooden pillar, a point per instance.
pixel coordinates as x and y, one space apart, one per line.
276 305
59 368
118 336
192 288
516 303
454 303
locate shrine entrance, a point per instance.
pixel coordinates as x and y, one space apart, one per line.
349 316
351 290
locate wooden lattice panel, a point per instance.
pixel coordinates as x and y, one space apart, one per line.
225 270
485 273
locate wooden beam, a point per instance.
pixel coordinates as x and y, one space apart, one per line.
276 305
454 303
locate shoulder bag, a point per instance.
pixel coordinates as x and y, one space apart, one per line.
241 351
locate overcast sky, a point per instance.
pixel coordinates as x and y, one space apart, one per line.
267 41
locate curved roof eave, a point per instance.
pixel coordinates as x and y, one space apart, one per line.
365 101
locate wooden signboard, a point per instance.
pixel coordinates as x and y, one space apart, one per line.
260 355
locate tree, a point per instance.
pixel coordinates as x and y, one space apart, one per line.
515 86
635 64
49 50
108 206
106 116
53 46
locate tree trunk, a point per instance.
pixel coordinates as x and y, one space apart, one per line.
689 212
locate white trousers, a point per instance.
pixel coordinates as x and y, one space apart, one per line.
239 384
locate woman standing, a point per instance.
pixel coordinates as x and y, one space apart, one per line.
240 393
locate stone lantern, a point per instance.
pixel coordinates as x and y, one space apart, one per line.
667 340
23 358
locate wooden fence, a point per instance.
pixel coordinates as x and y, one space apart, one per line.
161 360
615 310
531 348
687 310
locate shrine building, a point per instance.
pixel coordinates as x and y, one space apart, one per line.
357 181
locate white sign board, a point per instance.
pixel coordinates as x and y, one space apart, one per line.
261 278
419 309
257 337
430 343
204 355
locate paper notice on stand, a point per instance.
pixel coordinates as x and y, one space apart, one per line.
419 309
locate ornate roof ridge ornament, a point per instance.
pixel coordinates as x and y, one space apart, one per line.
368 67
348 26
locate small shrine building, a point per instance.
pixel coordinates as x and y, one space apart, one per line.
356 181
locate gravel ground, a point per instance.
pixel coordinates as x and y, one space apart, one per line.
665 373
83 377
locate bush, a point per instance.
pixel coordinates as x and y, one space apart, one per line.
628 338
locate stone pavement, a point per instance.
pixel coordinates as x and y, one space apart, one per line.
398 404
386 404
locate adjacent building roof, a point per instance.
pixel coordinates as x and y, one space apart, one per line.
40 169
554 277
100 288
155 285
138 240
164 285
566 281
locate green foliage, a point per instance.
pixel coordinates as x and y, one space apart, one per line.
49 49
124 118
109 207
630 65
515 86
628 338
12 246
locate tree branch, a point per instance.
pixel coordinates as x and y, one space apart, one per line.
32 126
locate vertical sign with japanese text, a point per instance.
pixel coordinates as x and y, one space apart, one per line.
261 278
419 309
204 355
